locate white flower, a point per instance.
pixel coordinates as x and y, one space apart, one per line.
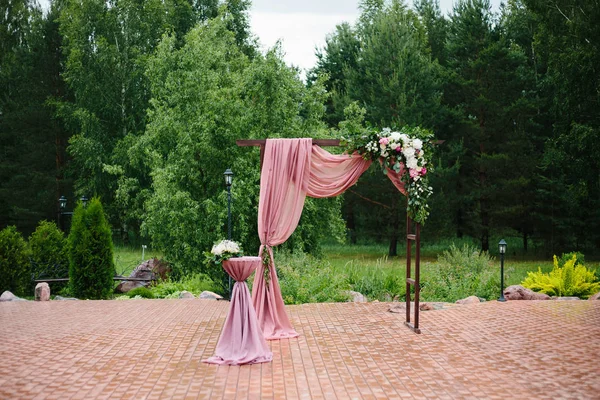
386 132
395 136
408 152
411 162
394 145
225 246
405 138
417 144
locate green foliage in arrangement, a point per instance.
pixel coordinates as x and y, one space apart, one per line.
49 252
91 265
14 263
570 279
459 273
142 292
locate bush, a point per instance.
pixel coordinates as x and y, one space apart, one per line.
14 264
459 273
91 265
569 280
304 279
142 292
49 252
194 283
377 283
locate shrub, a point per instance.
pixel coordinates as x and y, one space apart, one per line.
304 279
194 283
459 273
377 283
142 292
91 265
14 264
569 280
49 252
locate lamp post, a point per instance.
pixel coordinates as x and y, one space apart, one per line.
228 181
62 206
502 250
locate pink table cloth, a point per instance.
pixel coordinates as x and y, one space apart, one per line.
241 340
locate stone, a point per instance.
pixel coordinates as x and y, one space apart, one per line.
208 295
57 297
567 298
152 269
595 296
42 292
426 306
186 295
8 296
518 292
469 300
356 297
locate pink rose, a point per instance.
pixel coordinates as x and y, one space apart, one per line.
384 141
413 173
398 149
423 171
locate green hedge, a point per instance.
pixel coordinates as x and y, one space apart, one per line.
49 252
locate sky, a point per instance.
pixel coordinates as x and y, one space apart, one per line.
303 25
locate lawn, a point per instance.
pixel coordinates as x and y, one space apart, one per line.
127 258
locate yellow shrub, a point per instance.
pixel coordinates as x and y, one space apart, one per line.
568 280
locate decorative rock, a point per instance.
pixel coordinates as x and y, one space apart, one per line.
186 295
64 298
152 269
426 306
595 297
8 296
518 292
356 297
42 292
207 295
567 298
469 300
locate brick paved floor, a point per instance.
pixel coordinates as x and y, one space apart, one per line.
153 349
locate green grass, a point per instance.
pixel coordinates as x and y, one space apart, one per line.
127 258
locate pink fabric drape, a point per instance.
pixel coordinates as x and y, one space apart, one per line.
292 169
242 340
283 184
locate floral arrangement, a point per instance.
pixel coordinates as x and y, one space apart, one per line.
224 250
407 151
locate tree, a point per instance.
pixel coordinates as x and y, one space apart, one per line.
487 90
49 251
91 265
384 64
205 96
31 161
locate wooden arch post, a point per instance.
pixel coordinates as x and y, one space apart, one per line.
410 237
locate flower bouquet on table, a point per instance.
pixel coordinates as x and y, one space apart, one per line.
224 250
407 151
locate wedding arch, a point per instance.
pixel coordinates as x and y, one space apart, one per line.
292 169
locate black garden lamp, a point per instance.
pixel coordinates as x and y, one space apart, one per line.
502 250
228 174
84 201
62 203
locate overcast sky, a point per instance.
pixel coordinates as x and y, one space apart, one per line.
302 25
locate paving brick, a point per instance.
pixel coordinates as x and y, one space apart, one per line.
154 349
